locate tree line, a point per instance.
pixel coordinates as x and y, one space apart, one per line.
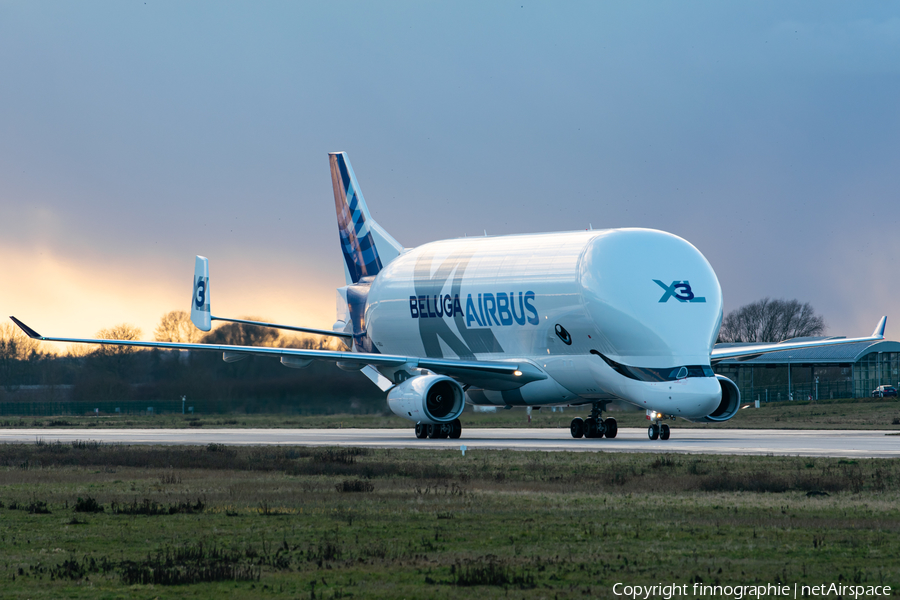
30 371
770 320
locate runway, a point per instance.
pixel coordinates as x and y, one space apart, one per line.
836 443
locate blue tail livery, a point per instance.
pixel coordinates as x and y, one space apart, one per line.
366 246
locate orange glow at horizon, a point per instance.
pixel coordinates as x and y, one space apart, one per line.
62 297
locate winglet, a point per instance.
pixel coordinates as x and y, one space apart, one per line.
200 315
879 329
28 330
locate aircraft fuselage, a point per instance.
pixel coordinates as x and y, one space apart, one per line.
584 307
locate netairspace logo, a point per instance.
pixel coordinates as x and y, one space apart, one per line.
739 592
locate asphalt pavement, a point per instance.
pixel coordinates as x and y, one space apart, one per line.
779 442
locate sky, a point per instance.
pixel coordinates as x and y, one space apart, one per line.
135 135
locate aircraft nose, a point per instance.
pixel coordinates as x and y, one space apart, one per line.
653 297
691 398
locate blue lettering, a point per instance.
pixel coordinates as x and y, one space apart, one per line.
519 319
503 309
413 307
471 314
201 293
680 290
481 310
529 296
490 311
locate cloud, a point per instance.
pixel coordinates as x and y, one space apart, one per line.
76 296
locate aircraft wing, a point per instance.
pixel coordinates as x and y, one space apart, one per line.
495 375
751 351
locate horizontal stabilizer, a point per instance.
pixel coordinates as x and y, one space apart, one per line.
328 332
202 317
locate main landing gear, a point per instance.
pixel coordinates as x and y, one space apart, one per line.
451 430
657 430
594 426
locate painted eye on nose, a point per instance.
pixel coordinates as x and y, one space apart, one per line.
563 335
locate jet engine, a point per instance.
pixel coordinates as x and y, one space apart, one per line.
428 399
729 405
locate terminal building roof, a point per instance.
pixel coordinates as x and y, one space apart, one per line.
844 353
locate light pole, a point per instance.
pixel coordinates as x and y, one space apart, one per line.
790 393
182 404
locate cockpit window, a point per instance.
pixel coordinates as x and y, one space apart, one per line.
664 374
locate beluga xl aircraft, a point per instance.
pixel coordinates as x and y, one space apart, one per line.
587 318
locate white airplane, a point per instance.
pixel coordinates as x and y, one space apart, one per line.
585 318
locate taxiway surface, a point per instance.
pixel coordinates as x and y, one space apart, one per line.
836 443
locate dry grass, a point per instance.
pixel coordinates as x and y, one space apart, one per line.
254 522
863 413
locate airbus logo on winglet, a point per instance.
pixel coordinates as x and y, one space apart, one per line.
680 290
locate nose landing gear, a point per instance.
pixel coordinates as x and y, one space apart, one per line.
657 430
594 426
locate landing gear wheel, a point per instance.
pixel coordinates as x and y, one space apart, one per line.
653 432
577 427
434 432
590 428
612 428
664 432
455 429
421 431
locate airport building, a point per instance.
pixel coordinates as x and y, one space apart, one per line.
845 371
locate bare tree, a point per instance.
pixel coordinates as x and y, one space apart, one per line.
15 345
176 326
122 331
15 349
118 360
770 320
311 342
239 334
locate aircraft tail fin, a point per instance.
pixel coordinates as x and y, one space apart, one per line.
366 246
200 312
879 329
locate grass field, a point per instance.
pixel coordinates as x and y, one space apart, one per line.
865 413
85 520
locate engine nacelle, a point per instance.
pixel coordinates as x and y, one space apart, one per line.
429 399
728 407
